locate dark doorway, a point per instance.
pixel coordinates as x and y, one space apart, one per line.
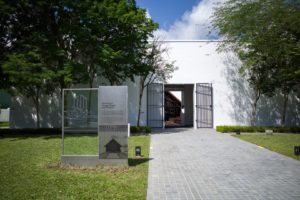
173 107
179 109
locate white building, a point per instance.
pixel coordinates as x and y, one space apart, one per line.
223 99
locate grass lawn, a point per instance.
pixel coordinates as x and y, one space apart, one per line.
281 143
28 170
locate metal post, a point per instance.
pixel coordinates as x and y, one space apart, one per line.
63 120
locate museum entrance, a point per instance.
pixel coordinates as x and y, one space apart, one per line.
180 105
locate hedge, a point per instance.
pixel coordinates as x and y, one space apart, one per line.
30 131
137 130
251 129
4 124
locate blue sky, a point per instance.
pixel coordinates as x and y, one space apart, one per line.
182 19
166 12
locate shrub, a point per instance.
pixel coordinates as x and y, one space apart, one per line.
251 129
148 129
31 131
4 124
139 130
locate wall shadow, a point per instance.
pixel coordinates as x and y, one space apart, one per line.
268 109
23 112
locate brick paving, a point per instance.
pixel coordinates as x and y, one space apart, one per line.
202 164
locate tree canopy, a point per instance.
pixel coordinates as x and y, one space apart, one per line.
265 35
53 44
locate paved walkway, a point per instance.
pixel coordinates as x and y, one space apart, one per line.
202 164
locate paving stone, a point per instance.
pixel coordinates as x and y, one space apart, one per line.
203 164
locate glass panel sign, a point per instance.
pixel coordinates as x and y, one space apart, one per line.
113 122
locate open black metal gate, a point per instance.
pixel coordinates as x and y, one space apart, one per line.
204 105
155 105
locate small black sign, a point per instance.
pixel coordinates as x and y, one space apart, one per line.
297 150
138 151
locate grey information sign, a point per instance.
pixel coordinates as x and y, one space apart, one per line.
113 122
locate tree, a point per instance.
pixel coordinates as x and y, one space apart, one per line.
48 20
35 48
68 42
266 37
157 69
29 76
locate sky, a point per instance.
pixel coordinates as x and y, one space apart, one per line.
181 19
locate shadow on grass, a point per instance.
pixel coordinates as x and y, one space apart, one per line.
15 137
138 161
171 130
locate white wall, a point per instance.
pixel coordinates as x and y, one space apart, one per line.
199 62
23 113
133 102
4 115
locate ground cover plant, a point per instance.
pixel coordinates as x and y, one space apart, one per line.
29 170
281 143
4 124
253 129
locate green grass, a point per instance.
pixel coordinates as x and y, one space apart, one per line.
29 170
281 143
4 124
253 129
81 145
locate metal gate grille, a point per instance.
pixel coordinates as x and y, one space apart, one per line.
204 105
155 105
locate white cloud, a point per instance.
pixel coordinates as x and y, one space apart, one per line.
148 14
193 24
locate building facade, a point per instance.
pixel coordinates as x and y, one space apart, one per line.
212 93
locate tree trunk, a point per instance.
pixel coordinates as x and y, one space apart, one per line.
140 105
283 114
89 101
37 108
254 108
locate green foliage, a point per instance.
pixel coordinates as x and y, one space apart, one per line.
4 124
281 143
53 44
137 130
38 175
65 42
31 131
253 129
109 36
148 129
265 35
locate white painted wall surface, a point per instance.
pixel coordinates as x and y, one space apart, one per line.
4 115
199 62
